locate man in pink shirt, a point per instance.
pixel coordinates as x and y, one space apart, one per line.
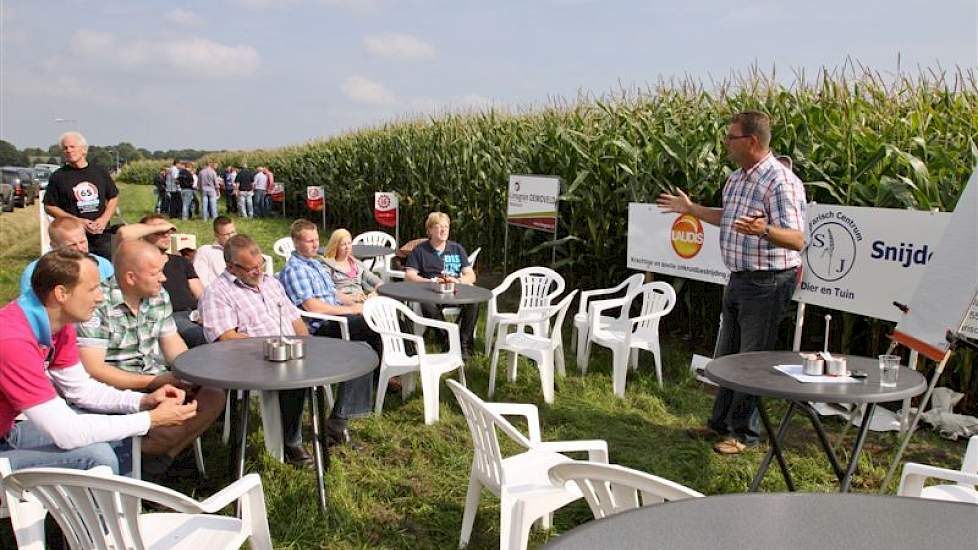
40 374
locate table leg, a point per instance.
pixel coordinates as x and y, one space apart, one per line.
823 439
775 446
232 429
317 448
857 448
245 401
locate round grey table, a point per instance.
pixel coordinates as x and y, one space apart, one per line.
240 365
776 521
427 293
365 251
754 374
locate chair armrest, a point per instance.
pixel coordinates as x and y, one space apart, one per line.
599 306
231 493
344 323
914 475
597 449
649 317
528 317
530 412
587 295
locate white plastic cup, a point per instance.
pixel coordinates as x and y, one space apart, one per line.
889 370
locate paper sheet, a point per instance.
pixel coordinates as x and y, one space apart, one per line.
794 371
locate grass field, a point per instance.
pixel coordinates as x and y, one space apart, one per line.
407 489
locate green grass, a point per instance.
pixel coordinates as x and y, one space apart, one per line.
407 489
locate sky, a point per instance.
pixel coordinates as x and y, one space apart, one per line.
244 74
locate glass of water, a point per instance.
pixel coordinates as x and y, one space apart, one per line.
889 370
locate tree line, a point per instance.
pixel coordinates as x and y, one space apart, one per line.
104 155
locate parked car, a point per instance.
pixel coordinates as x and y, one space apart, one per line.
6 195
22 180
42 172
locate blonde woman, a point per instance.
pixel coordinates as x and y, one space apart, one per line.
349 274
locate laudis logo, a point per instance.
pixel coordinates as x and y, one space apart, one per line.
687 236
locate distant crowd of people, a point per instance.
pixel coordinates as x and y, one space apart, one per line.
181 191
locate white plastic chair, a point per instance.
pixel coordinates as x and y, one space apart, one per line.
452 313
626 335
25 512
381 315
382 265
520 481
610 488
965 480
546 351
283 247
539 286
582 325
96 509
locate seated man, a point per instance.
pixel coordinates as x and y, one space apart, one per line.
181 281
244 302
209 261
308 284
40 375
439 258
131 339
67 233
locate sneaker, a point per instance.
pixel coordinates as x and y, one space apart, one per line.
729 446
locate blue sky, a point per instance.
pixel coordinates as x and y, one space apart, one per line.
265 73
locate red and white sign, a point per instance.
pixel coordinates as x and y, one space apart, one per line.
315 198
532 202
385 209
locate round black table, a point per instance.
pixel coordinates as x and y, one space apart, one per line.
776 521
428 293
240 365
753 373
366 251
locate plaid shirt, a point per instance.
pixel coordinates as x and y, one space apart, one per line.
230 304
767 188
306 278
131 341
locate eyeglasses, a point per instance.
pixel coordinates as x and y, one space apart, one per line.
255 270
730 137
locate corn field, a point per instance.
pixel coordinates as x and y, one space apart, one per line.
855 136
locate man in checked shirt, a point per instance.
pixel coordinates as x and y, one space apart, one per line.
762 231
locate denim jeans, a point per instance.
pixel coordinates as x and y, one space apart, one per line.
245 206
187 197
208 207
26 446
260 203
754 303
191 333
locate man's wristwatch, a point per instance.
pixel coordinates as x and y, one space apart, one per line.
767 231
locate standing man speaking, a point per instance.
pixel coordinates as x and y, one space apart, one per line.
762 231
83 191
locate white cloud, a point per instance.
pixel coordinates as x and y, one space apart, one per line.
184 17
398 45
266 4
193 56
356 6
364 90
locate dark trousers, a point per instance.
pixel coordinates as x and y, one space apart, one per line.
176 204
467 320
191 332
754 303
231 200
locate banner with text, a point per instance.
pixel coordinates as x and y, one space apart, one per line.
532 202
858 260
385 209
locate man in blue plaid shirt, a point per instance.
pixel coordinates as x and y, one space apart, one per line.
762 233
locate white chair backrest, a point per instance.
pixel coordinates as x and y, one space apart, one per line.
488 458
381 315
269 265
95 509
376 238
284 247
538 286
610 489
474 256
658 299
628 285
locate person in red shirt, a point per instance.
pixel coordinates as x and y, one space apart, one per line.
40 375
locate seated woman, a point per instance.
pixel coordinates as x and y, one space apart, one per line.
352 279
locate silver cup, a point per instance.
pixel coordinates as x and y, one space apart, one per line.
297 349
812 365
836 367
275 351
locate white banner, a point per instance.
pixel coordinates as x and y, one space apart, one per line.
858 260
532 202
674 244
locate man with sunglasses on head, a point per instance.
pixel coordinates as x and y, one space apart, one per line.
762 233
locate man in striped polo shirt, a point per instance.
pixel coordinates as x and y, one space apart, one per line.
762 233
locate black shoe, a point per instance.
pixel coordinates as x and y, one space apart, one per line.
298 456
341 436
